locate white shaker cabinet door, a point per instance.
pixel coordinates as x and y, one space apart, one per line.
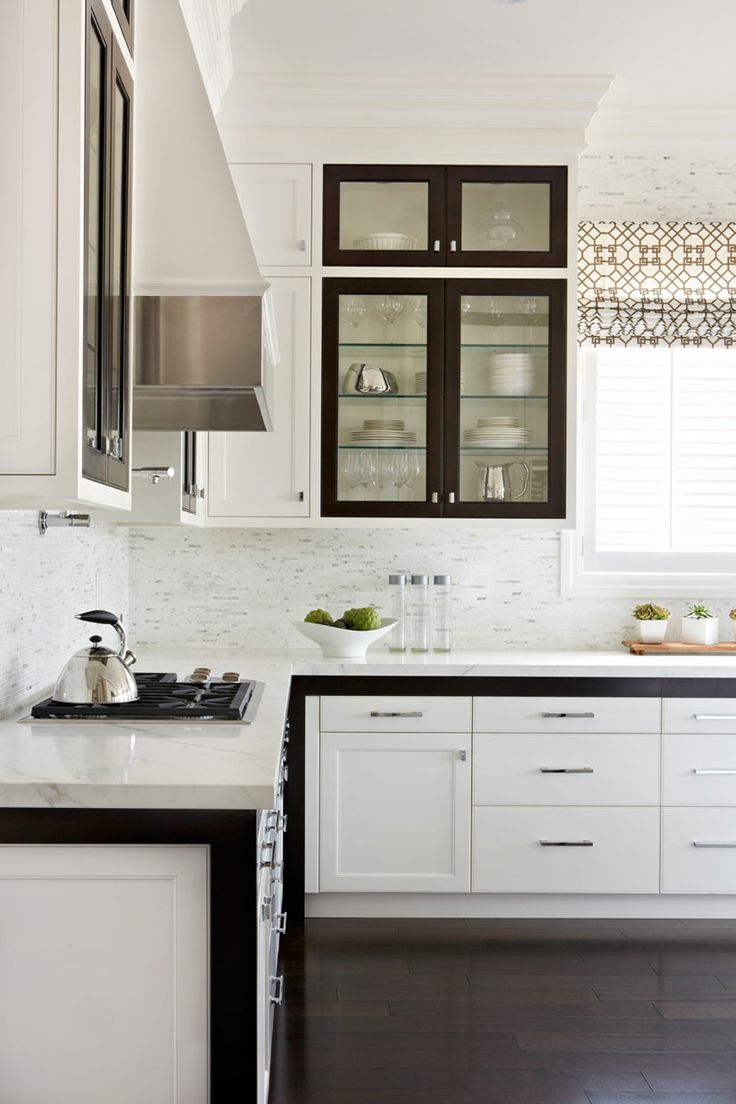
266 475
276 201
395 812
104 975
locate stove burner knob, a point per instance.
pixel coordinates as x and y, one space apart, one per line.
231 676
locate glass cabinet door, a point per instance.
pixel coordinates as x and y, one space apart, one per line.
507 216
382 398
119 248
505 398
94 448
383 215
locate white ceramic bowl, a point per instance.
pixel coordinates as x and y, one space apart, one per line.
343 643
386 240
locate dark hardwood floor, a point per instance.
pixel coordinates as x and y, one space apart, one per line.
513 1011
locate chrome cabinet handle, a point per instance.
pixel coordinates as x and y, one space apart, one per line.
566 770
714 770
714 843
462 755
276 984
410 713
548 715
302 245
453 246
435 496
566 843
714 716
451 497
437 245
279 923
277 821
300 496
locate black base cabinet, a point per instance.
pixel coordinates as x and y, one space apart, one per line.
444 398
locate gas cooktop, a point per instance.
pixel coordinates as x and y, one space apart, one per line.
161 697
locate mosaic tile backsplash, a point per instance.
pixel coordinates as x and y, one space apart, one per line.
241 588
44 581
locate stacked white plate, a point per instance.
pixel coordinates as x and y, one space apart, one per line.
496 433
420 383
512 373
383 431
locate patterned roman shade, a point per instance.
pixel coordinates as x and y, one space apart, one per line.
657 283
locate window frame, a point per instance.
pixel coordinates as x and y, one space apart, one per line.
580 577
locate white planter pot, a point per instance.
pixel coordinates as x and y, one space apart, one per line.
700 630
651 632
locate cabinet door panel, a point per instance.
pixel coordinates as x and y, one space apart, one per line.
552 849
267 474
277 205
394 813
105 974
698 851
698 770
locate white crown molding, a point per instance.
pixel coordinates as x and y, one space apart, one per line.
512 102
663 130
208 23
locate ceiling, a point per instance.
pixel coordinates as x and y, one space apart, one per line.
665 53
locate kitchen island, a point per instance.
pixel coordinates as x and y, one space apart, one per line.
148 902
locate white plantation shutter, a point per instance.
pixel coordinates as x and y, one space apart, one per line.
661 488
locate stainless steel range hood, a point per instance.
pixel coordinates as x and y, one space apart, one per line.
200 357
199 363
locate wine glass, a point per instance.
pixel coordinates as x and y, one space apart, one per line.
354 309
390 308
419 312
366 471
503 230
400 470
350 468
414 470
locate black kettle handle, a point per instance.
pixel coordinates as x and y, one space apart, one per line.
98 617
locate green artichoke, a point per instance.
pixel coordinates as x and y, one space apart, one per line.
319 617
363 619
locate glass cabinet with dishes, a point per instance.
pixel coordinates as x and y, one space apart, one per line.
407 215
443 398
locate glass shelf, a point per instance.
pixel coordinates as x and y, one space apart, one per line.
423 345
392 397
391 448
502 448
506 398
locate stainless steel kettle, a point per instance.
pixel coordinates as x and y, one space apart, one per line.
98 675
494 481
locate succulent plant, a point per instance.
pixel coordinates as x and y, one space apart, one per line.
319 617
647 611
362 619
698 611
732 614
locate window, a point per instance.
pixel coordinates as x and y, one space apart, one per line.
658 500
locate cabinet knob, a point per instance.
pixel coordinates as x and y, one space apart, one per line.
462 755
302 245
453 246
300 496
437 246
451 497
435 496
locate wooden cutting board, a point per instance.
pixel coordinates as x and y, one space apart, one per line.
677 648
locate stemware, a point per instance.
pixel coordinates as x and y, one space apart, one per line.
355 310
419 312
366 471
350 469
503 230
390 307
399 471
414 470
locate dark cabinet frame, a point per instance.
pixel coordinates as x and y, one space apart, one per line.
444 398
105 459
445 216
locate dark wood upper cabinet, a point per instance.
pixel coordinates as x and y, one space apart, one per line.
444 398
483 216
124 11
107 270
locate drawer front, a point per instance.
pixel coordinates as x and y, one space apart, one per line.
698 770
698 851
542 714
566 770
699 715
563 850
384 713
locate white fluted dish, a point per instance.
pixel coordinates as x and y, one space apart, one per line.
343 643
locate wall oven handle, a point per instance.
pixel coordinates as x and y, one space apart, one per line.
555 715
566 770
408 713
566 843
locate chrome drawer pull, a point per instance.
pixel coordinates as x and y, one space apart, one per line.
277 985
566 770
714 770
714 716
415 713
548 715
566 843
715 843
462 755
279 923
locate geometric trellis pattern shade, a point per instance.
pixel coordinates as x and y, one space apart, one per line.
657 283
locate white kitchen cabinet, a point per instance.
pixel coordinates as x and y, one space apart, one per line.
395 713
64 291
565 714
277 205
553 849
266 475
698 851
699 715
698 769
176 501
394 812
104 964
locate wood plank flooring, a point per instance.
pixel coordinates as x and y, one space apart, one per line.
519 1012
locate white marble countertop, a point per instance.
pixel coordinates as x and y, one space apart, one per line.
68 764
